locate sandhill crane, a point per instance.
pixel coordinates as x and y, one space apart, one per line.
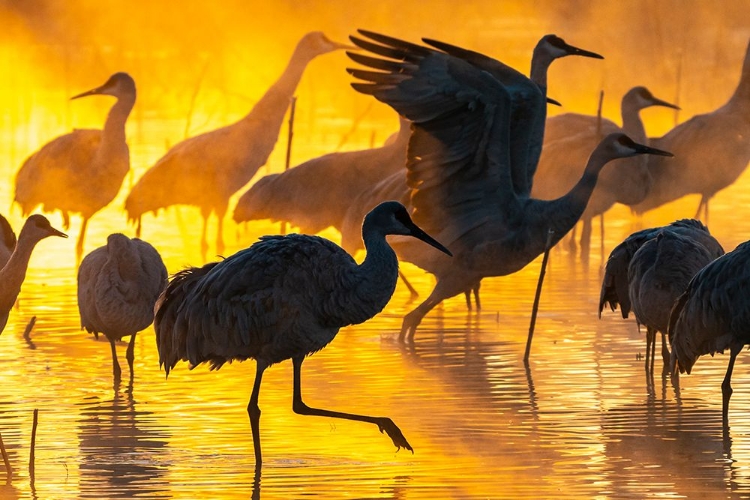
658 273
118 285
316 194
569 139
35 229
711 151
81 172
207 169
615 285
284 297
467 186
712 315
7 241
548 49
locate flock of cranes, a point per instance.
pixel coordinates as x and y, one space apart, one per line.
472 165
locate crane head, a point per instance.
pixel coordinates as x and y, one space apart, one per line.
117 85
391 217
557 47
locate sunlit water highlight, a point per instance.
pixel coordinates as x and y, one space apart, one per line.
581 422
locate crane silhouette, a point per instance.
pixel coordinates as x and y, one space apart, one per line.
13 273
81 172
650 284
118 285
712 315
395 186
205 170
469 177
316 194
658 274
711 151
569 139
283 297
7 241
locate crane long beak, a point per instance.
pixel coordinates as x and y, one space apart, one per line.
647 150
552 101
659 102
418 233
95 91
55 232
575 51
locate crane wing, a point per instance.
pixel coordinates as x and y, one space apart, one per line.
458 156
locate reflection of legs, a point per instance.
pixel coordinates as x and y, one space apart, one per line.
726 387
130 354
116 372
253 411
475 290
385 424
664 354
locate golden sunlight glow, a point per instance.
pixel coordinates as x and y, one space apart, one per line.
577 423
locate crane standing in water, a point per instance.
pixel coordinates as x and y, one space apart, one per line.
711 151
118 285
712 315
207 169
650 283
548 49
13 273
469 168
81 172
284 297
569 139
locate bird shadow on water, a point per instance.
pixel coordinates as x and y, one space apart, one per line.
120 452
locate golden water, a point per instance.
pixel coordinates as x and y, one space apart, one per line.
580 422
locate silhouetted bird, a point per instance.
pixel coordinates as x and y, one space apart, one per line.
530 121
118 285
205 170
658 273
711 151
712 315
284 297
316 194
470 182
35 229
81 172
569 139
619 285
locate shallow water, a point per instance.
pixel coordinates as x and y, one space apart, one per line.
581 421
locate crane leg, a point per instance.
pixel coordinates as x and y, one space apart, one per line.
79 243
649 343
130 354
385 424
412 290
476 295
665 356
116 371
204 243
726 387
586 237
138 227
220 232
253 411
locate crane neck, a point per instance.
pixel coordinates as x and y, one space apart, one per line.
14 272
742 92
540 63
274 103
114 126
563 213
631 120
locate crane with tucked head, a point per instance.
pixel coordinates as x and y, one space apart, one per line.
569 139
712 315
470 164
711 151
205 170
284 297
118 285
13 273
81 172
